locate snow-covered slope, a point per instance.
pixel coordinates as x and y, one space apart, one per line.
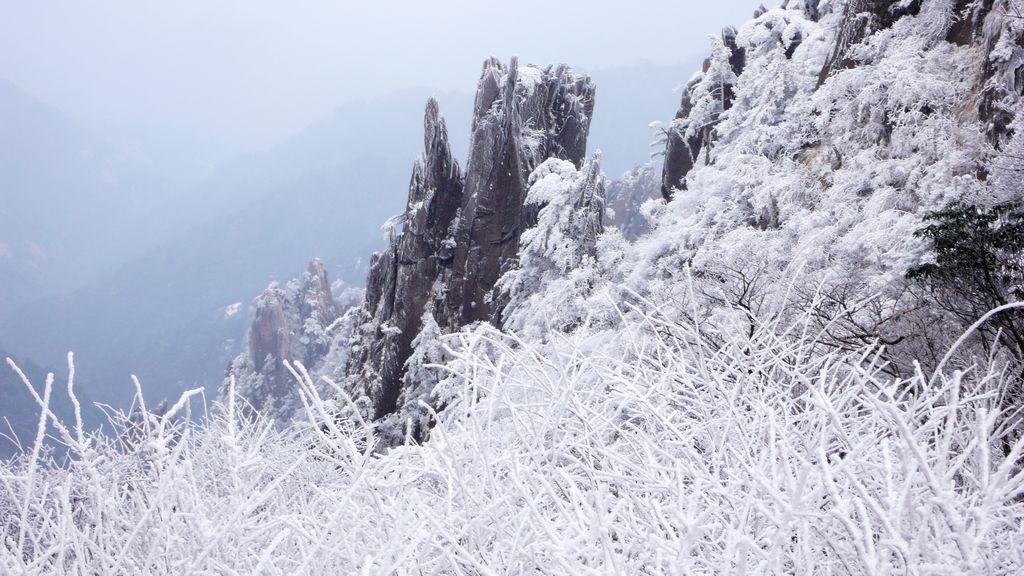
816 138
754 385
804 157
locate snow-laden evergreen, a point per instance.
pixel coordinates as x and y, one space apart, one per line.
553 273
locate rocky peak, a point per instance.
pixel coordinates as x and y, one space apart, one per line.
458 233
289 323
524 115
315 298
402 278
268 335
627 195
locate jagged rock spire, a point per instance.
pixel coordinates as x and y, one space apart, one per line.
459 232
401 279
289 324
268 335
523 116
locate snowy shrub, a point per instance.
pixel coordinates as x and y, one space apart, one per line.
653 448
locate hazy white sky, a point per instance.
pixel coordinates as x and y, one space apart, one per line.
237 75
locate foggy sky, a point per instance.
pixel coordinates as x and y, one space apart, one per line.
225 77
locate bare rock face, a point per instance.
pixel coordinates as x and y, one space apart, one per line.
522 117
968 27
459 233
290 323
268 336
402 279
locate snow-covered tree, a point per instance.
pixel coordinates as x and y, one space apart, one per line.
557 254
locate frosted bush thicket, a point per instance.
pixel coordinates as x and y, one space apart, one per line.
641 450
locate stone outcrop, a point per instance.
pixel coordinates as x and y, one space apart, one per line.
402 279
687 136
290 323
460 232
269 338
522 117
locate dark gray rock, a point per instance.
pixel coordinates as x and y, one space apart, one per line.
522 118
402 279
458 234
968 27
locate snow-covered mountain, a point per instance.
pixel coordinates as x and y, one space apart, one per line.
812 142
302 321
772 369
322 193
158 304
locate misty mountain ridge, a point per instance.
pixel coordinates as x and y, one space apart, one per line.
70 201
